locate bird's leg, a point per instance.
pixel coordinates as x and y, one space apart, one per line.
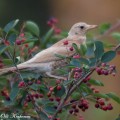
54 76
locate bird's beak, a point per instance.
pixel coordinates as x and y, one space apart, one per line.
92 26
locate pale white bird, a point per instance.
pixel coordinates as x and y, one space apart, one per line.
46 62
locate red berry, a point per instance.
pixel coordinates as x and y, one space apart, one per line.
51 99
18 42
38 82
57 31
7 98
101 102
76 110
49 94
103 64
51 89
59 87
104 108
41 95
65 42
58 81
109 106
21 84
36 96
97 105
71 111
76 56
71 49
58 99
74 106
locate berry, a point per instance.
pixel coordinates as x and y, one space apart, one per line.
101 102
76 110
104 108
74 106
97 105
57 31
76 56
21 84
59 87
51 89
30 83
71 49
18 42
38 82
109 106
41 95
71 111
51 99
57 99
65 42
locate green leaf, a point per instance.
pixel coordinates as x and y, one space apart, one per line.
12 38
84 61
76 48
14 91
104 27
75 62
50 109
7 62
100 95
116 35
83 49
99 50
90 48
3 48
96 82
60 56
34 86
61 92
10 25
92 62
108 56
76 95
114 97
85 89
28 40
43 115
33 28
48 35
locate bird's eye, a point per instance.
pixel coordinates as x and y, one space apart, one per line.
81 27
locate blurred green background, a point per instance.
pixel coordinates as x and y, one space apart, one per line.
69 12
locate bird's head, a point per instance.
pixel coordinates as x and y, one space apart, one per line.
80 29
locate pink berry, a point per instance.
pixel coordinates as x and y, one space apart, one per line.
71 48
18 42
65 42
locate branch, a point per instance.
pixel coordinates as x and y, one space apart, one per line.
74 87
111 29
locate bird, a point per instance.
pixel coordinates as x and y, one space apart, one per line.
46 61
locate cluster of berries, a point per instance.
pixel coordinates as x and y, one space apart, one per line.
23 84
51 89
100 103
32 97
106 69
83 104
5 94
52 23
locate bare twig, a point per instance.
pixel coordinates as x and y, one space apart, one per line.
111 29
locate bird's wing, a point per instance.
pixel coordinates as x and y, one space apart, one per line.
48 54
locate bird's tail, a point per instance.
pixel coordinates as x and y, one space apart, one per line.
10 70
7 70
